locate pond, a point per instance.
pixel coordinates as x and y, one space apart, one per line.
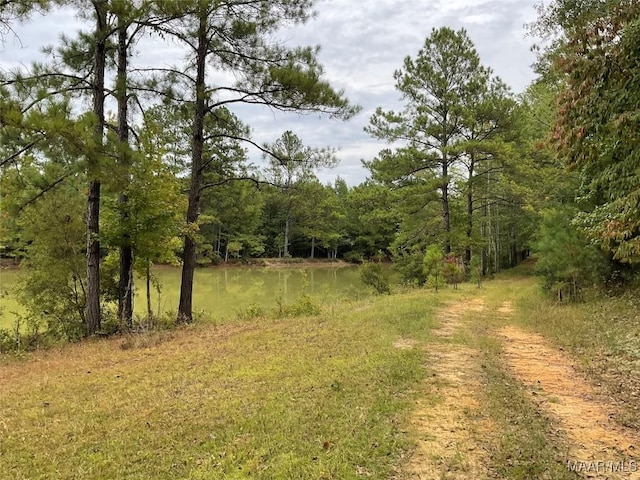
223 292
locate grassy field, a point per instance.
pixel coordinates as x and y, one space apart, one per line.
318 397
322 397
602 333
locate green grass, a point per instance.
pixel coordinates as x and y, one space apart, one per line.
322 397
307 397
602 333
524 444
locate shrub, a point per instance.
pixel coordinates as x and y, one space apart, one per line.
251 312
376 276
304 306
433 264
354 257
410 268
566 260
453 270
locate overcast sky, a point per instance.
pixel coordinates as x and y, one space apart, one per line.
362 44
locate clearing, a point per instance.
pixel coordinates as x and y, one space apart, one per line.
491 383
459 431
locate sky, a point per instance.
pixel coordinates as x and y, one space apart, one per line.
362 44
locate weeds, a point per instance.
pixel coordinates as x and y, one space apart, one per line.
304 398
374 275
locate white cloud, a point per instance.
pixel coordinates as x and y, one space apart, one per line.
363 43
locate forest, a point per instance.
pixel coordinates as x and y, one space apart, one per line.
107 170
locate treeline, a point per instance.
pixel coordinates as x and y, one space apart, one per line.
171 138
475 178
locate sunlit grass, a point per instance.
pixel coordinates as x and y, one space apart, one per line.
306 397
524 443
602 333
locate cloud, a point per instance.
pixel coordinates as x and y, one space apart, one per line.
362 44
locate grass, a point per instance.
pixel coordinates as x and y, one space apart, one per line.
524 444
305 397
602 332
324 397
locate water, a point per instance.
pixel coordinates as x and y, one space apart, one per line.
222 292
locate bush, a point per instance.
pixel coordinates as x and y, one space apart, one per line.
376 276
410 268
354 257
433 264
251 312
453 270
566 260
305 306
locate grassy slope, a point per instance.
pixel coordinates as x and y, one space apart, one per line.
603 333
320 397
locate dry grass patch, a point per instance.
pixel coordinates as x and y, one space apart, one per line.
308 397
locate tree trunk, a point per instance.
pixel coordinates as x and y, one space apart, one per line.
446 217
148 279
497 245
514 248
185 307
286 236
125 283
467 258
219 240
93 315
313 246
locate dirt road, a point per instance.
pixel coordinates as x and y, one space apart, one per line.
457 436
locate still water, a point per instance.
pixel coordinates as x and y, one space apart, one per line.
222 292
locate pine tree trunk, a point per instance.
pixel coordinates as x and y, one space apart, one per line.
125 284
469 213
93 314
185 307
286 237
514 248
148 279
446 216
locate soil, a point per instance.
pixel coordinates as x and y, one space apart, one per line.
453 434
582 414
450 424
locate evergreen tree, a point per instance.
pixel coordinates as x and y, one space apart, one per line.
438 87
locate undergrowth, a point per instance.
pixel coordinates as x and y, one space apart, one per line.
306 397
603 333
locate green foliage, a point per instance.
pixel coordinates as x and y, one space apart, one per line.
457 117
253 311
376 276
475 270
299 198
410 266
595 131
453 271
434 264
353 257
567 261
371 218
53 291
304 306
